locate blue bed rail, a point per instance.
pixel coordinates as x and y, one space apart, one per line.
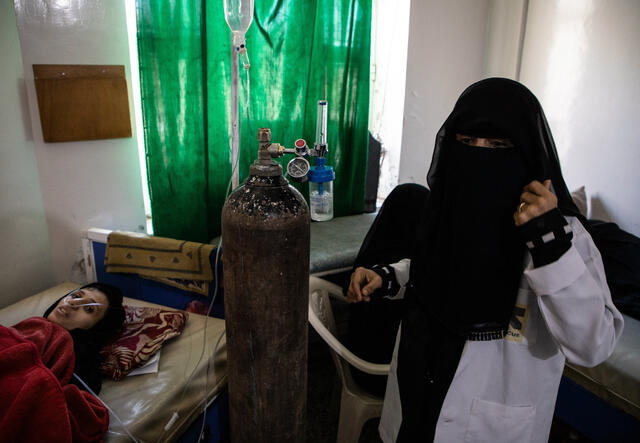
134 286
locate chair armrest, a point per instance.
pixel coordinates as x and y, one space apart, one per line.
338 348
332 289
335 291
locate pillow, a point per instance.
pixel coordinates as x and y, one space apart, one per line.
579 197
145 331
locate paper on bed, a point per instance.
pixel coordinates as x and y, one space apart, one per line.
150 367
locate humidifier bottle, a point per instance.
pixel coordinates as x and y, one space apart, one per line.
321 179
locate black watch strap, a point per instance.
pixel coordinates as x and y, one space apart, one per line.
547 237
390 284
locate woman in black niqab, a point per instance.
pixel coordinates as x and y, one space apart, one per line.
464 276
470 232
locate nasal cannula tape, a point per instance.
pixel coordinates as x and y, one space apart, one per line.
66 302
84 304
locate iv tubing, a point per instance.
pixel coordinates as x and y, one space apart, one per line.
215 292
245 113
106 406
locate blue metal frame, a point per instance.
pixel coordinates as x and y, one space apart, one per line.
594 417
216 427
134 286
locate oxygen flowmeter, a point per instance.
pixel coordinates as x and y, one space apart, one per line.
320 175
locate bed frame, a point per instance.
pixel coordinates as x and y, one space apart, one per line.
94 245
592 416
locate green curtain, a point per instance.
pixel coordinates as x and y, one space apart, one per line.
185 70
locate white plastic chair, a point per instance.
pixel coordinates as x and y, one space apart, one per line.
356 405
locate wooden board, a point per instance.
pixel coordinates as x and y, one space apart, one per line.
82 102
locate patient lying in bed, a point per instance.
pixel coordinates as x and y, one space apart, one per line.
38 358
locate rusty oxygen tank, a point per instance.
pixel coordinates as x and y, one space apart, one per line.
265 244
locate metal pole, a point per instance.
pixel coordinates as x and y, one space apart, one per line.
235 127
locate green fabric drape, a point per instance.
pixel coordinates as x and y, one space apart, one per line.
185 68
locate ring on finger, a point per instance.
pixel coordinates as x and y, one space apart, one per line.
522 206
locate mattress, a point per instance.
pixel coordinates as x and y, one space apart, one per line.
147 403
617 380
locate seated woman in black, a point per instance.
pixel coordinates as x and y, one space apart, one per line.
373 326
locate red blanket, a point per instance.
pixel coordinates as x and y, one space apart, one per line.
37 403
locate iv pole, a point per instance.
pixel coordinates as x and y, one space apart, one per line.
238 15
235 130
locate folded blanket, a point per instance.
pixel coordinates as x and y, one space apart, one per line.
37 403
179 263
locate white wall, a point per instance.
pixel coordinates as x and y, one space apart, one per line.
389 38
506 27
447 40
582 60
579 57
87 183
25 259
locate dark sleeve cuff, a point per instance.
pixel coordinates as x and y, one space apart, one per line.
390 284
547 237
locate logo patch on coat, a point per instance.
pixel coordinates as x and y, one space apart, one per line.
517 324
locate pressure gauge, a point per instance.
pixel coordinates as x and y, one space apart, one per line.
301 146
297 169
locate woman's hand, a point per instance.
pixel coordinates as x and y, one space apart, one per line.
363 276
536 199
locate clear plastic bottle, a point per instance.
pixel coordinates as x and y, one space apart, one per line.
321 191
321 201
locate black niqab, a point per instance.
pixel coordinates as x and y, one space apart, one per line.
470 261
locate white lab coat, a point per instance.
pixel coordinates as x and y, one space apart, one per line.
505 390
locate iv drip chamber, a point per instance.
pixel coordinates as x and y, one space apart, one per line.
238 15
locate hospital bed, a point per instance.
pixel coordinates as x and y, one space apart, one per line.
146 403
167 405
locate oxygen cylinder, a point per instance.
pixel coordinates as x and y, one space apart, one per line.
265 244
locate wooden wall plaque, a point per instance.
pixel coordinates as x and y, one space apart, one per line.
82 102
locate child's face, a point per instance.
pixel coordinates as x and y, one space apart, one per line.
69 313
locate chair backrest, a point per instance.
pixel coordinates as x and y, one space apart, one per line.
320 305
